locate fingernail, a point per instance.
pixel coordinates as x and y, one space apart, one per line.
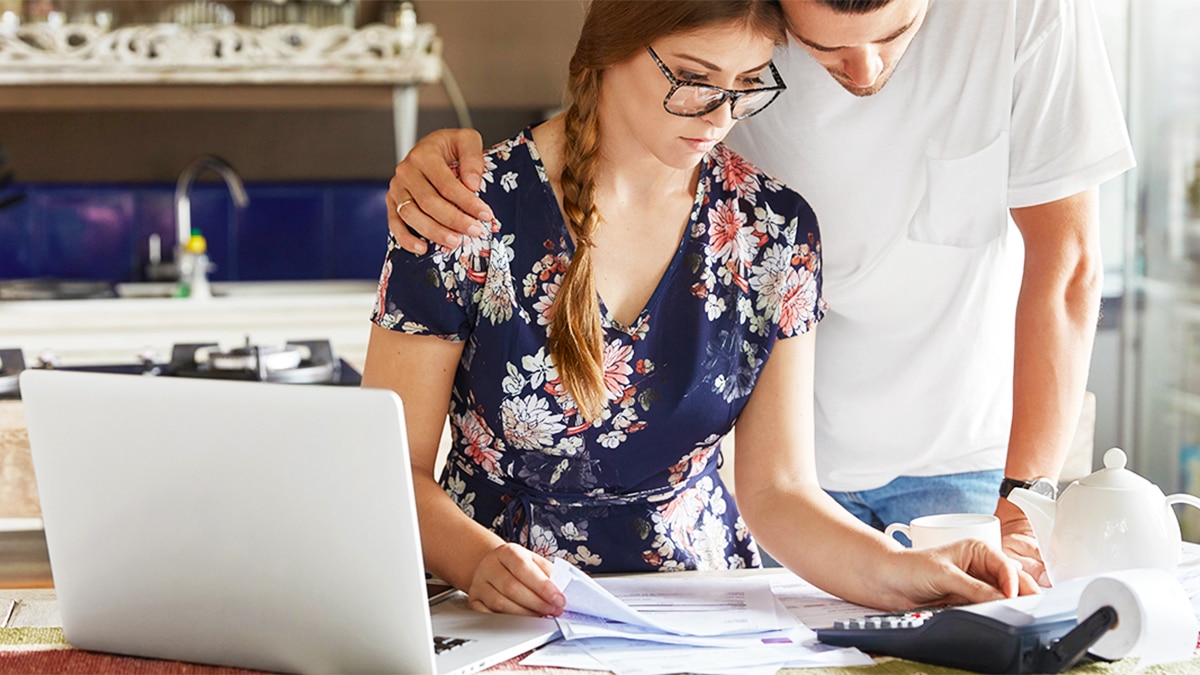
476 230
420 248
486 216
453 240
473 180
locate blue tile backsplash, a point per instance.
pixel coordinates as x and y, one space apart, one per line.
287 231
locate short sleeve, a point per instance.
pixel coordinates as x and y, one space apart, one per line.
785 275
424 294
802 305
1068 130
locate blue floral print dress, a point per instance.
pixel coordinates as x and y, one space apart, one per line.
638 488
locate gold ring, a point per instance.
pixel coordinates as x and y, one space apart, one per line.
402 204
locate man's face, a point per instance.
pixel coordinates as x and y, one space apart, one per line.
860 51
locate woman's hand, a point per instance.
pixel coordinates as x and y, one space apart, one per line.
511 579
433 191
964 572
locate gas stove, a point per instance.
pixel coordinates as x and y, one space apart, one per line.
299 362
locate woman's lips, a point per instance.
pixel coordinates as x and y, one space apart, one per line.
700 144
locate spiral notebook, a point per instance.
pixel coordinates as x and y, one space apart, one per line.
258 525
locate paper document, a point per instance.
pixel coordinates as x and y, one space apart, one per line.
812 606
670 623
677 606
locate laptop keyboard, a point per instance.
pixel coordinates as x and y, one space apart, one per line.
442 643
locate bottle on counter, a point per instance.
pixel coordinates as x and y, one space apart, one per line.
193 269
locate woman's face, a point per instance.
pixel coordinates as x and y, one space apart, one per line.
632 92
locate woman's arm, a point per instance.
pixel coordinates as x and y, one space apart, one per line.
497 576
810 533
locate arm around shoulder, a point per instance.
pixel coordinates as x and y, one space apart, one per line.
432 193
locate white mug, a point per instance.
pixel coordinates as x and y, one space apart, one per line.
945 528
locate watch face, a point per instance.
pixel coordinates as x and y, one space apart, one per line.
1044 487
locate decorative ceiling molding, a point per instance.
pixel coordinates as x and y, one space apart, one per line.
175 54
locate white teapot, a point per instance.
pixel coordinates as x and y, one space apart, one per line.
1110 520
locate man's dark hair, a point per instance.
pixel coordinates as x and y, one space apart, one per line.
854 6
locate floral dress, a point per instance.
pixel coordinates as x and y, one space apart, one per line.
636 489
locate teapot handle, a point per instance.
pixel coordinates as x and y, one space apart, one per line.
1190 500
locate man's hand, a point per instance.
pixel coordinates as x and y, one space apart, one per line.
1018 540
433 191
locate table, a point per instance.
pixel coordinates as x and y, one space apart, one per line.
31 641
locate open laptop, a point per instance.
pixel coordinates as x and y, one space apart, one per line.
246 524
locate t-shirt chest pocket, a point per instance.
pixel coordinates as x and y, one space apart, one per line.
966 199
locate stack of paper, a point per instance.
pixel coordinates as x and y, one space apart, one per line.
665 623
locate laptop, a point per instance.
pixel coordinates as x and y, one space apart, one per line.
247 524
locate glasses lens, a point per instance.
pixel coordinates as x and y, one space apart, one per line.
694 100
751 103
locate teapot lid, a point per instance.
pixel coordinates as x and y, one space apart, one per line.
1114 474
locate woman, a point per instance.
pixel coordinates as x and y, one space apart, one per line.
640 288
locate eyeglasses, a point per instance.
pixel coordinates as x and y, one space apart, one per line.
694 100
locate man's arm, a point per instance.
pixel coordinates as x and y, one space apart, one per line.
428 196
1057 312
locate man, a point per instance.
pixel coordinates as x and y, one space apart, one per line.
951 150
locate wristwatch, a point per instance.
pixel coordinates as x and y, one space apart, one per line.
1040 485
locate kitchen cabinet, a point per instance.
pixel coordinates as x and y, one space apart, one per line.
172 67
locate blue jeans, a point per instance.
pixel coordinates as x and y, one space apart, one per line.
908 497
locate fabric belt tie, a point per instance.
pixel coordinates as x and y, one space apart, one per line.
521 498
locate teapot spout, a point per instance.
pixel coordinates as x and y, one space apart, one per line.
1040 510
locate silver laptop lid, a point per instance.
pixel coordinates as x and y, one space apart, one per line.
256 525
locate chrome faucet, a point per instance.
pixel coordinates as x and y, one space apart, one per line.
191 254
183 203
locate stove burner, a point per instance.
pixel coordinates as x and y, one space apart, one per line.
249 358
12 362
288 365
300 362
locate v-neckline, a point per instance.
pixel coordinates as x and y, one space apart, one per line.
607 318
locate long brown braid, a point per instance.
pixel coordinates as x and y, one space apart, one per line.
577 336
614 31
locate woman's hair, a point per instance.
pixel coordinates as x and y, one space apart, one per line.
614 31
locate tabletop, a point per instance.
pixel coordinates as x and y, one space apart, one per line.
31 641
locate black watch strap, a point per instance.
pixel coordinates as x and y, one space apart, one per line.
1007 485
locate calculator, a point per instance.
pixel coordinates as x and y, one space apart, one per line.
970 638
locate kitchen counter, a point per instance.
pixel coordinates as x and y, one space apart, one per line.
117 331
87 332
24 561
18 494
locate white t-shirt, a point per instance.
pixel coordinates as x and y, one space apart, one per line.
996 104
